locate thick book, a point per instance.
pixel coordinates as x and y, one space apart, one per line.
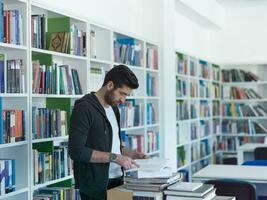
223 198
176 177
209 196
146 187
199 192
57 42
185 186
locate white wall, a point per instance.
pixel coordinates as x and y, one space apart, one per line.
243 39
191 38
137 17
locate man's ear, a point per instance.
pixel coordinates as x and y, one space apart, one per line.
110 85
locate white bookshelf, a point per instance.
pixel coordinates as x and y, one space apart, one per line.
234 138
103 60
196 93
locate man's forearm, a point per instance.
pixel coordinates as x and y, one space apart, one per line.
100 157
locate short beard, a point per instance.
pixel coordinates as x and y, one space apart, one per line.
109 96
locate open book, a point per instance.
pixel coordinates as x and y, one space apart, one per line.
150 168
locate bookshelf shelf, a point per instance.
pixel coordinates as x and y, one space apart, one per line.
13 194
152 70
15 95
153 153
13 46
248 83
100 61
133 128
198 82
50 139
56 96
36 187
14 144
152 125
53 53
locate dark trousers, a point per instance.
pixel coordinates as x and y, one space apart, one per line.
112 183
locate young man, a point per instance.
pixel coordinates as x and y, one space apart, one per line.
94 140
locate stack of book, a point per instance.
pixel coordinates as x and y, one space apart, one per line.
152 175
193 191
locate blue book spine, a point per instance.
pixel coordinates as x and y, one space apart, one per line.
13 177
33 122
1 20
1 122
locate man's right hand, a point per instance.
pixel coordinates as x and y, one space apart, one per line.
126 162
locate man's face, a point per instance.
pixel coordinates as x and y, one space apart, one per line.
118 95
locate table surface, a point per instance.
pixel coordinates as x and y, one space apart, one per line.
255 174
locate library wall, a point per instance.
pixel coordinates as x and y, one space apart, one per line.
244 38
138 17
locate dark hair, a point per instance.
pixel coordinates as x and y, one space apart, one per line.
121 75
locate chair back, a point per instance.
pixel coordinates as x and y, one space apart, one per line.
260 153
256 163
242 190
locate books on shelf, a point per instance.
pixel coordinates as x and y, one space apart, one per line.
238 75
243 110
239 93
11 30
193 89
204 128
204 89
182 64
131 114
13 126
181 87
193 67
57 193
215 108
151 85
133 141
215 72
38 31
153 141
204 69
151 114
47 123
8 176
12 75
51 165
182 112
128 51
181 156
77 41
152 58
55 79
204 109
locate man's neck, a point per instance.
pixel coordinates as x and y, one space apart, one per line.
100 96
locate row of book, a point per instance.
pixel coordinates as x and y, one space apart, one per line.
238 75
8 176
48 166
215 72
181 87
47 123
182 112
135 142
216 124
150 114
55 193
11 26
193 89
93 52
215 108
151 85
153 141
204 69
127 51
131 114
181 156
204 148
181 63
38 31
192 67
152 58
97 76
204 89
204 128
204 109
77 41
12 75
13 126
239 93
194 131
193 111
73 41
243 110
55 79
243 127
